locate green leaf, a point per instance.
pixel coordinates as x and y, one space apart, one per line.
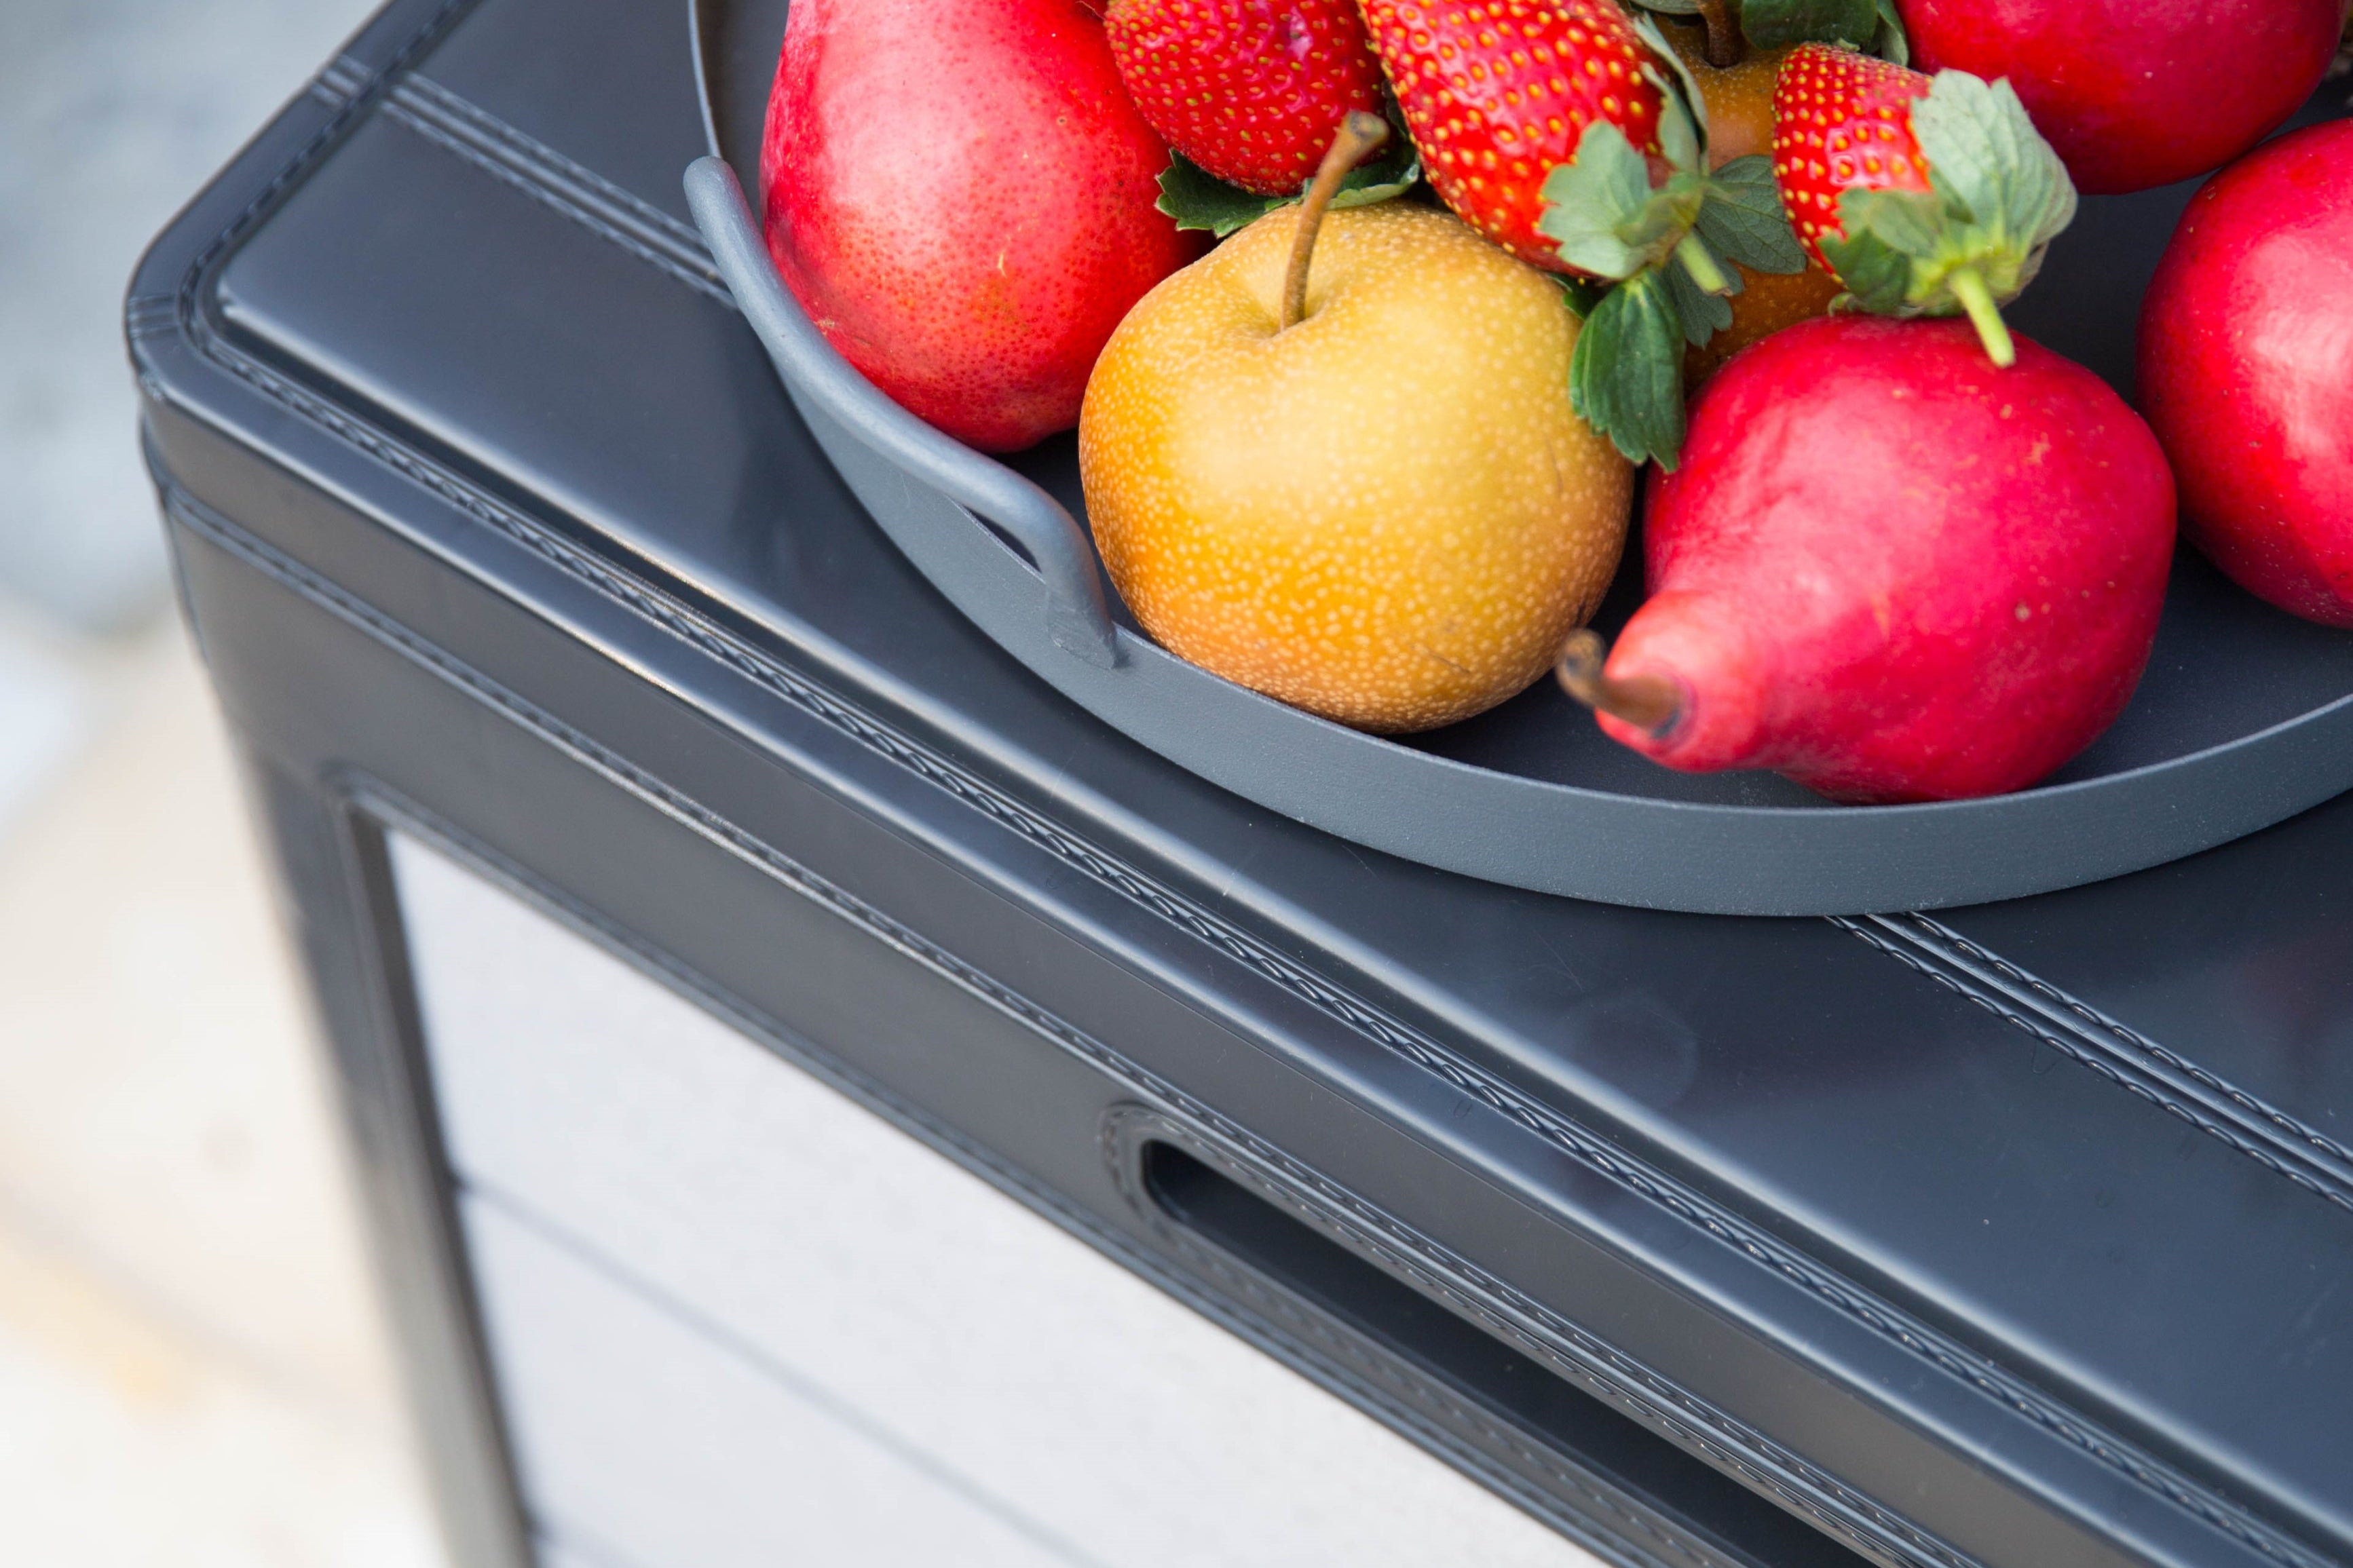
1671 7
1683 116
1605 188
1700 313
1743 217
1390 175
1583 293
1877 276
1654 230
1198 199
1679 141
1626 375
1773 24
1985 153
1891 44
1910 221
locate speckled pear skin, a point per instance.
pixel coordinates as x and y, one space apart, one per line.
1387 515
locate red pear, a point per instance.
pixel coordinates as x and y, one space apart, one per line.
1892 571
2246 369
961 197
2135 93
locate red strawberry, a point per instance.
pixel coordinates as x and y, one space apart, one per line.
1249 90
1497 93
1841 122
1854 140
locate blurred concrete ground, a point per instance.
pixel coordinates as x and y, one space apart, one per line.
191 1371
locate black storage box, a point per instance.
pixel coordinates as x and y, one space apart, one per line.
652 829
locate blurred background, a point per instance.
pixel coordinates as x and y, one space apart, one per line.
191 1371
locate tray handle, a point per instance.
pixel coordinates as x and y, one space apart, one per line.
1078 617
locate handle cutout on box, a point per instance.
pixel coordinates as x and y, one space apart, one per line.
1211 1205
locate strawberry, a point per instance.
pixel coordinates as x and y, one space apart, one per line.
1498 93
1841 122
1854 142
1251 91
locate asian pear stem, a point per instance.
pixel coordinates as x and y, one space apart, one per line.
1726 46
1361 134
1649 702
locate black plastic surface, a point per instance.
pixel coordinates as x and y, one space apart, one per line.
2245 715
2018 1237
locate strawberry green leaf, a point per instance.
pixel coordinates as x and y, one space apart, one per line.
1656 230
1891 43
1700 313
1912 222
1198 199
1682 124
1679 141
1985 155
1583 293
1392 175
1743 217
1626 374
1877 276
1595 196
1775 24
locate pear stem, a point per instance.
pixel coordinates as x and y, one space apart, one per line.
1970 288
1360 135
1651 703
1726 46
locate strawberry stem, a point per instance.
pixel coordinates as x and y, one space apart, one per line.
1968 286
1360 136
1650 703
1726 46
1702 266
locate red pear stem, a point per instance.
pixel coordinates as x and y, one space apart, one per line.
1726 44
1650 703
1361 134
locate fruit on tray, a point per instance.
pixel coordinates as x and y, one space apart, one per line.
1334 461
962 198
1854 142
1737 96
1248 90
1891 571
1374 460
2246 369
2135 93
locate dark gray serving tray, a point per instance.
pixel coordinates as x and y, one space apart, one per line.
2245 715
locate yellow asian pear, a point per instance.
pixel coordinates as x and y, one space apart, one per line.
1385 513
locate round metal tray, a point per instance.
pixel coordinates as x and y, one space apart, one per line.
2244 717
